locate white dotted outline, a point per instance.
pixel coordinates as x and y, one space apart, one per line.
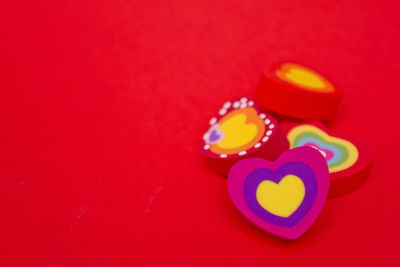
227 105
213 121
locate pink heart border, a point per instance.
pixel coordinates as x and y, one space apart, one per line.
312 158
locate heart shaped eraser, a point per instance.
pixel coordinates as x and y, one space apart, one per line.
283 197
240 130
348 159
296 91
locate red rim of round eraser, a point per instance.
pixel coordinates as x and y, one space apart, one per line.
283 96
221 142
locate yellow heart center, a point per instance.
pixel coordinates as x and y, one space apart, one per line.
281 199
304 77
237 132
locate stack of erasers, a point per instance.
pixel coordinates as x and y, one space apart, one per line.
280 174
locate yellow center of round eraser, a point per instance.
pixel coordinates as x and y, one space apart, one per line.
303 77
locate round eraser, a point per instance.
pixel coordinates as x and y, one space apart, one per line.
296 91
348 159
240 130
282 197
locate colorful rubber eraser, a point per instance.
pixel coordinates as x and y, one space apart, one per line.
283 197
240 130
348 159
296 91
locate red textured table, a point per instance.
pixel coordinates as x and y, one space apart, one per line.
103 106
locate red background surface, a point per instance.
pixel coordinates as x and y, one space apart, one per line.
103 105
